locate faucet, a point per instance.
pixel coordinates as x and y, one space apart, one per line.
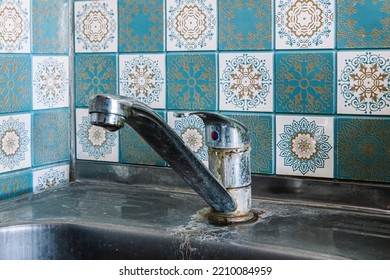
225 186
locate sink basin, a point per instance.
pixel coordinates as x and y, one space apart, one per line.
100 220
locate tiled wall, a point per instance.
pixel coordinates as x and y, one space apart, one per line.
310 78
34 95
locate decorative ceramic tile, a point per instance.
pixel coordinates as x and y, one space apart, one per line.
246 81
304 146
143 77
134 149
305 82
141 25
191 130
50 82
15 83
14 184
15 137
363 149
363 24
93 142
245 25
191 25
95 74
51 139
304 24
191 81
363 83
15 26
261 131
50 26
50 177
96 26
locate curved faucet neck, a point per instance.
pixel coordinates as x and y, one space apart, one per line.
111 111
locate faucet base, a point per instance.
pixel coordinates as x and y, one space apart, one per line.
221 219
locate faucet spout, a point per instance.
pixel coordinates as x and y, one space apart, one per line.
112 112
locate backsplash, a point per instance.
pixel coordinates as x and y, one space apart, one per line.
34 95
309 78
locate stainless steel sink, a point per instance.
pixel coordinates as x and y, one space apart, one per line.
101 220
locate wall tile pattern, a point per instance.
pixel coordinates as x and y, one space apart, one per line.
34 94
310 79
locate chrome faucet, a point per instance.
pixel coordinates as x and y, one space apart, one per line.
225 186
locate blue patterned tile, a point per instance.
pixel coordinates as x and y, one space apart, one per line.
141 25
15 83
15 139
261 129
15 26
47 178
94 142
363 82
191 25
14 184
304 146
143 77
363 24
135 150
96 26
94 74
245 25
307 24
246 81
191 130
50 26
51 131
363 149
50 82
191 81
305 82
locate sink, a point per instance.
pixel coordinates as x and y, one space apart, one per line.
102 220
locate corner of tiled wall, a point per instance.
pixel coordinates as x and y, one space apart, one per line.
309 78
34 95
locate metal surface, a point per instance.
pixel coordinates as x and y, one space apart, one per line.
359 196
103 220
111 112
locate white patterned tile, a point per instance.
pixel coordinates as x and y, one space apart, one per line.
96 26
246 82
93 142
15 26
305 146
50 82
305 24
191 25
191 130
143 77
50 177
15 142
363 82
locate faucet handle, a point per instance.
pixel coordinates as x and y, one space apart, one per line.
223 132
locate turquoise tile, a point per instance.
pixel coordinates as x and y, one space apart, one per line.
261 129
50 133
134 149
304 82
15 83
363 24
12 185
191 80
363 149
141 25
50 26
245 25
94 74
